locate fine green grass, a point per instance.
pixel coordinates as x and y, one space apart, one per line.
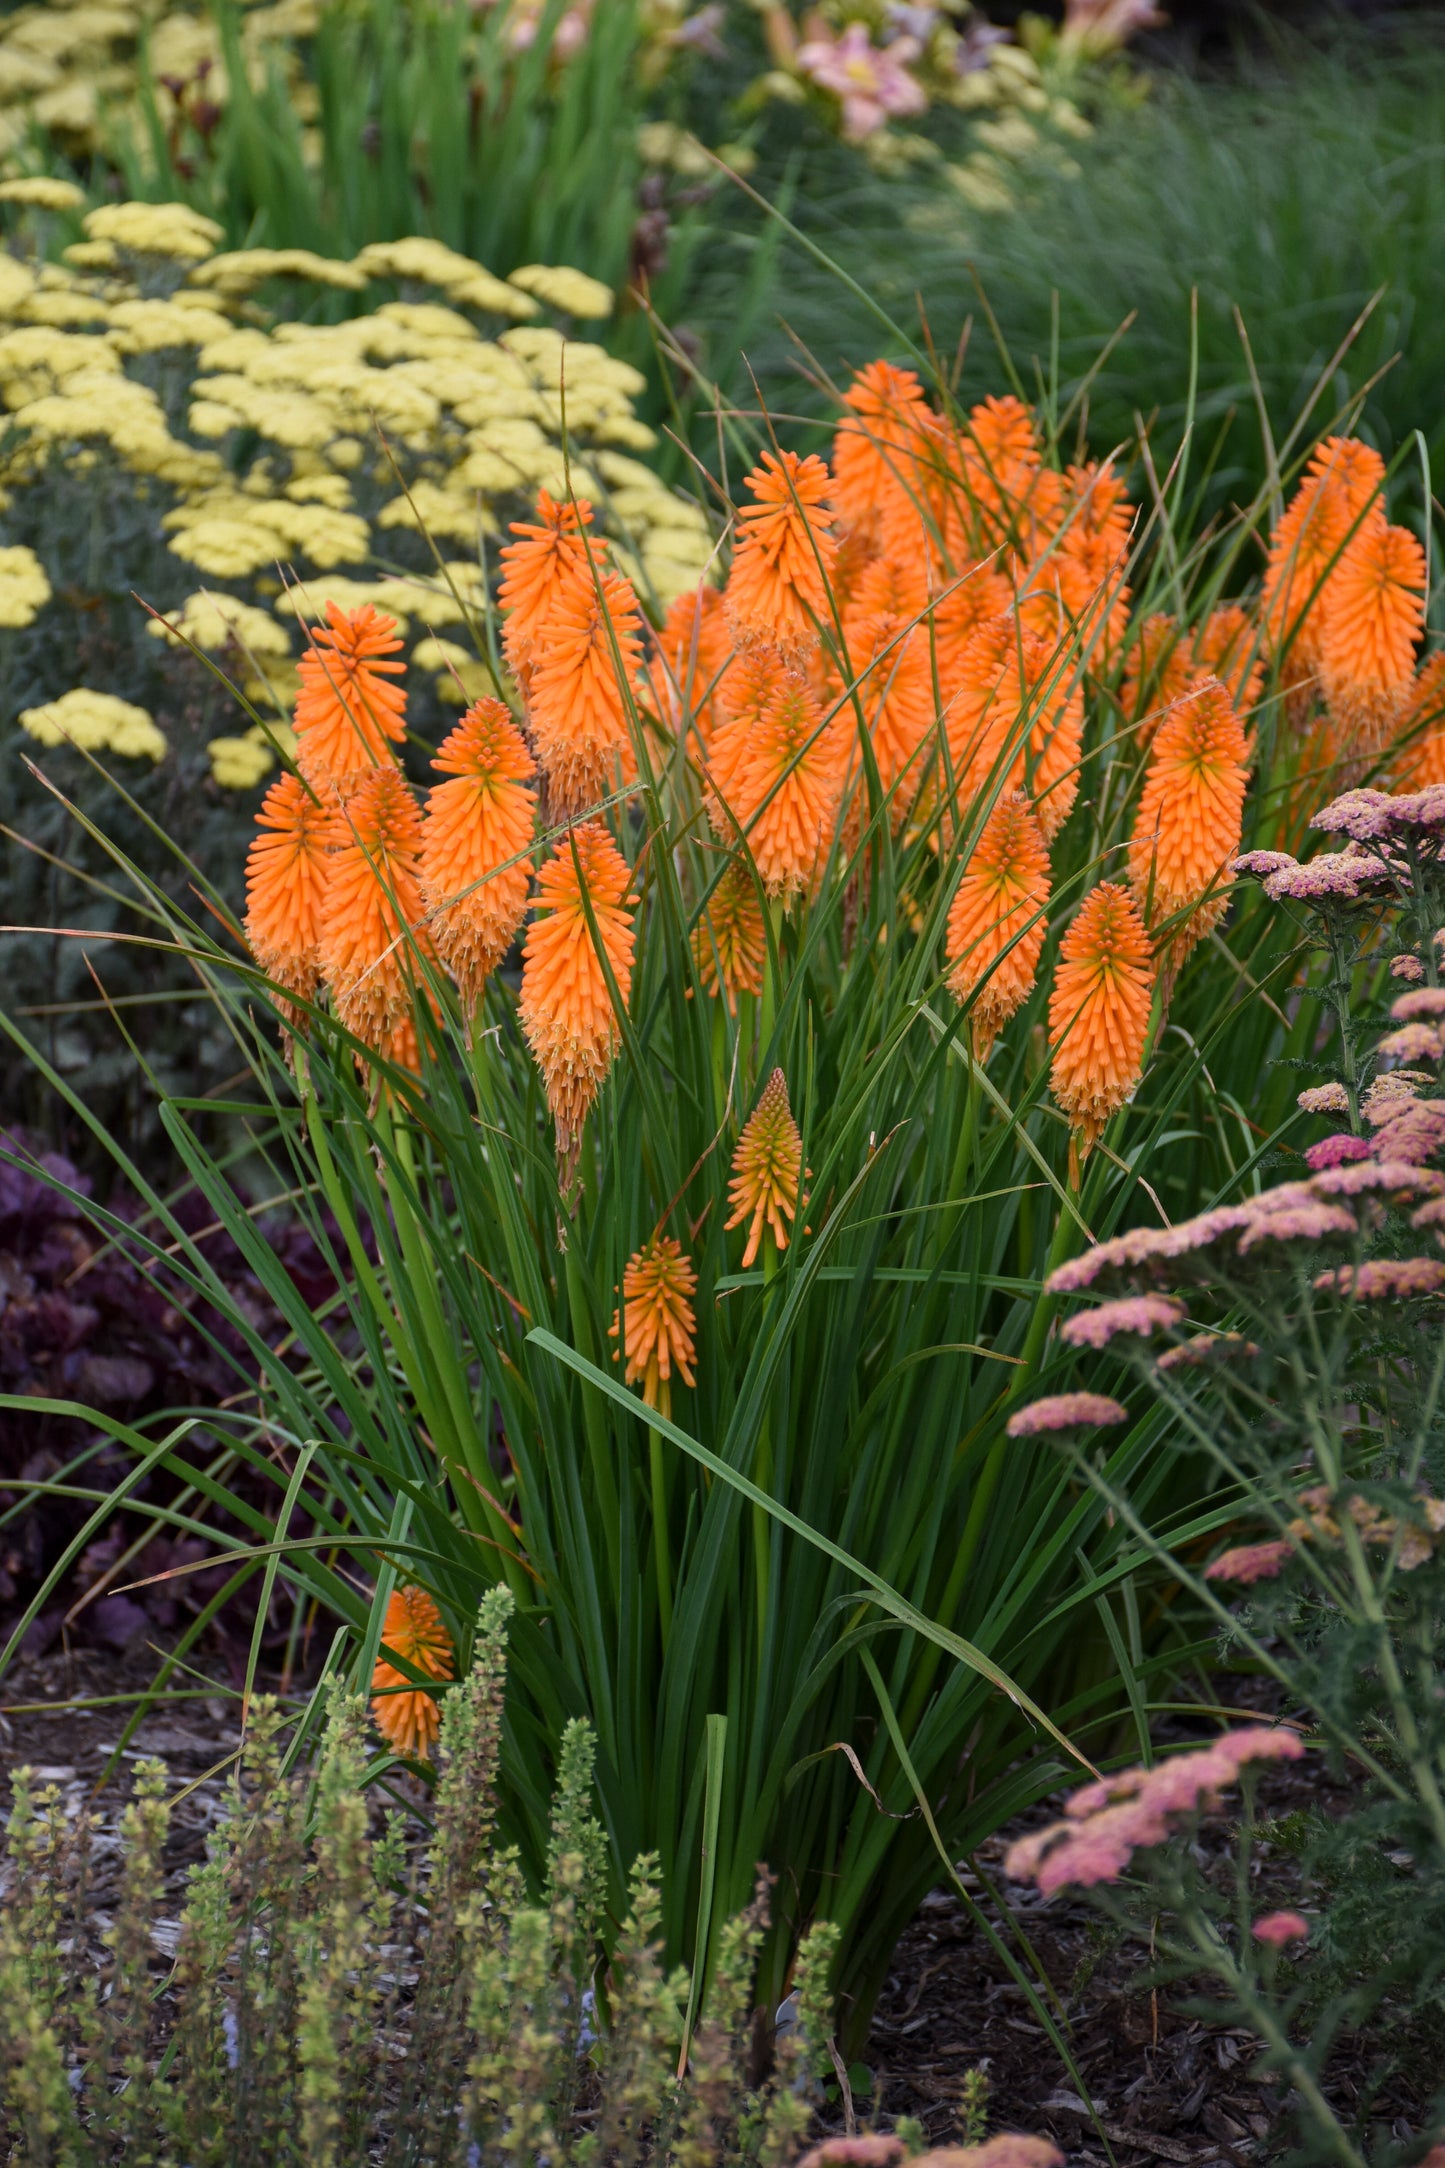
1293 193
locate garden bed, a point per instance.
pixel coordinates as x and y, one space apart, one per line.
1167 2087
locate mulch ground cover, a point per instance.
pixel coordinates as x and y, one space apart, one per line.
1163 2086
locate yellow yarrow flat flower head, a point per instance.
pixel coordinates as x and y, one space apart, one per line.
24 587
96 723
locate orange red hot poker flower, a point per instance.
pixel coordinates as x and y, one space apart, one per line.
1099 1012
767 1176
566 1006
348 714
286 873
550 555
783 559
1188 825
476 865
730 942
406 1715
371 928
777 777
996 923
657 1322
577 698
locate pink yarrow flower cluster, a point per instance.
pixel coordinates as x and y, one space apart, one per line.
1065 1411
1336 1151
1106 1823
1386 1279
1250 1562
1140 1315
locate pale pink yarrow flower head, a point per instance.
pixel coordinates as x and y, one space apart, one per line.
1065 1411
1278 1928
1340 1150
1407 967
1324 1099
872 81
1140 1315
1420 1006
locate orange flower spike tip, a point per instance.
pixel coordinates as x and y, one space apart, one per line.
658 1284
1420 758
407 1717
1188 825
348 714
996 923
577 706
785 552
730 943
474 824
765 1191
1099 1011
779 779
1374 614
372 921
566 1006
875 450
286 873
541 565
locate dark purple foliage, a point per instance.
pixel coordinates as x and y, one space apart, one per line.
92 1320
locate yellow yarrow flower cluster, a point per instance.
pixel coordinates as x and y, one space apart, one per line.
97 723
279 459
24 587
